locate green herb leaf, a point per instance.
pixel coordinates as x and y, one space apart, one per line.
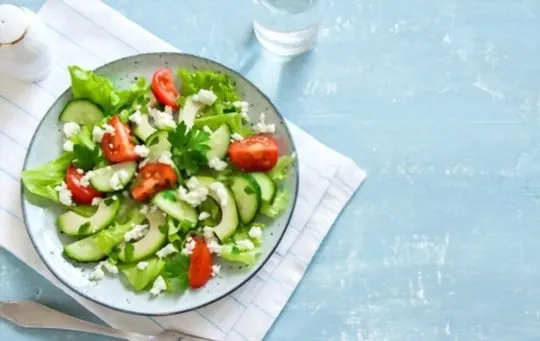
164 229
175 272
235 250
113 257
189 148
85 158
249 190
129 250
84 228
169 195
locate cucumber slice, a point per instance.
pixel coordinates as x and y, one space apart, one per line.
158 143
229 214
189 112
247 195
140 279
81 111
95 248
144 129
219 142
267 186
74 224
150 243
168 202
122 172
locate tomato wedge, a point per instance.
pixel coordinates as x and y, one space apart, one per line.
163 87
117 146
80 194
257 153
200 267
153 178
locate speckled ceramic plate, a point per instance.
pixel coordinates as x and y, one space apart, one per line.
114 292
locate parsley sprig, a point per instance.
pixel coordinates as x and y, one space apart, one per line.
86 158
189 147
175 273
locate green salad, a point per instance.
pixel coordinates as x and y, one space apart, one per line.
159 182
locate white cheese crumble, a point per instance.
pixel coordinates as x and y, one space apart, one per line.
245 244
142 150
110 267
189 247
193 183
237 137
208 233
221 193
109 129
158 286
64 195
217 164
207 129
167 250
166 158
215 270
255 232
118 179
70 129
96 201
262 127
244 108
98 272
153 208
136 117
206 97
68 146
196 194
97 134
144 209
204 215
136 233
168 109
214 246
142 265
162 119
85 180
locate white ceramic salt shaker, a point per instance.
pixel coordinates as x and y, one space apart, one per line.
24 45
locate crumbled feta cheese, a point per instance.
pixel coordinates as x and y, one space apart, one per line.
85 180
221 193
255 232
158 286
162 119
245 116
207 129
262 127
109 129
144 209
215 270
136 233
168 109
142 265
68 146
237 137
204 215
118 179
64 195
214 246
136 117
97 274
142 150
96 201
194 197
80 171
110 267
245 244
114 197
244 108
153 208
97 134
206 97
193 183
167 250
166 158
70 129
152 100
217 164
189 247
208 232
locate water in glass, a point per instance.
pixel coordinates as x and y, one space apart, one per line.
286 27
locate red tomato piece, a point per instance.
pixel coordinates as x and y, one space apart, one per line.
153 178
200 266
163 87
257 153
80 194
117 146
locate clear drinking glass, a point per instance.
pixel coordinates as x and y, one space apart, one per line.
287 27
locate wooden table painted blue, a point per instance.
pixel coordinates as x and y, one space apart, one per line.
440 102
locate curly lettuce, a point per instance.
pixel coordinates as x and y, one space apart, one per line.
284 163
232 253
278 205
234 121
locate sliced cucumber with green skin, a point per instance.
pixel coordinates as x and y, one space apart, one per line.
169 202
141 279
267 186
101 180
74 224
95 248
229 214
150 243
82 111
189 112
144 129
158 143
219 142
247 195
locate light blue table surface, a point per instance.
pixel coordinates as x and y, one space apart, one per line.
440 102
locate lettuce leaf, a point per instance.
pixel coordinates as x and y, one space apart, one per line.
101 91
279 172
42 181
232 253
221 84
280 204
234 121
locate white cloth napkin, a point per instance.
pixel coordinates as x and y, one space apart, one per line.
90 33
